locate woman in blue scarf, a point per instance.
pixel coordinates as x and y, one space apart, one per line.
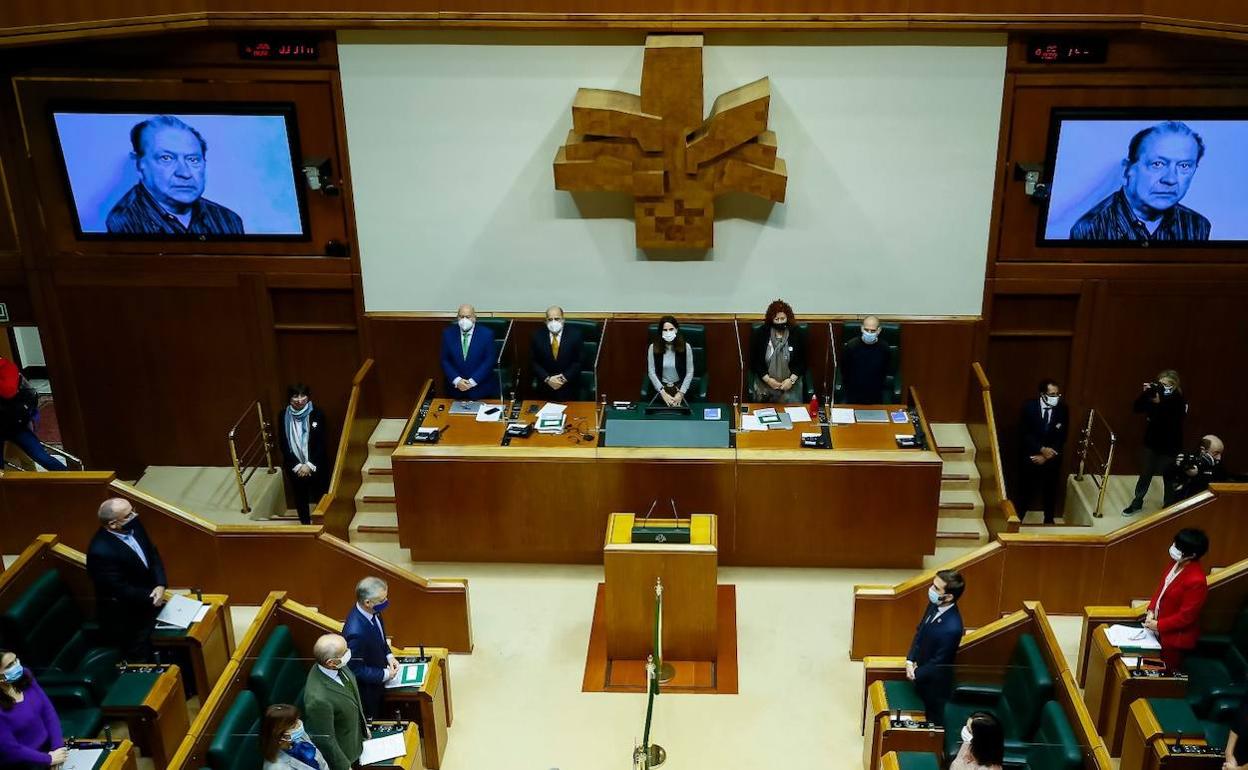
284 744
307 463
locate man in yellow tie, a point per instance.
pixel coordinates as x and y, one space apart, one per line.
555 353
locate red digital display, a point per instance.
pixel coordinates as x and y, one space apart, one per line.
1067 50
278 49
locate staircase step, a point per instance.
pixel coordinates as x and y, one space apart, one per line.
959 474
957 531
953 441
386 434
961 503
376 495
375 527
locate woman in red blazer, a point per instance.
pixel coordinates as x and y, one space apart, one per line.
1174 612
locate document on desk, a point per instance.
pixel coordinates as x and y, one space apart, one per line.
1132 636
381 749
842 415
489 413
178 612
551 409
82 759
750 422
410 675
797 413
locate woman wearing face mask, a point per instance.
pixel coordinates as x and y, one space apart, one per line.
778 356
30 733
669 362
983 744
302 430
1174 612
1164 407
284 743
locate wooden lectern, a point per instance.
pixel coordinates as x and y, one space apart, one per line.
688 572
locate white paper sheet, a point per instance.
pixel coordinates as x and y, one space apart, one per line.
1132 636
410 675
178 612
495 416
797 413
382 749
750 422
551 409
82 759
842 416
203 613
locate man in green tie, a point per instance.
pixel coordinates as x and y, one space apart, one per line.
333 714
468 358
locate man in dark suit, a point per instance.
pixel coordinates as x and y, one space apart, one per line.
468 358
1044 423
371 660
929 664
332 713
865 365
555 353
129 579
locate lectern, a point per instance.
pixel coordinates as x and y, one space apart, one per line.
688 572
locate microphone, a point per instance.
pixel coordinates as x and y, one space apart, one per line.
645 519
829 395
740 363
502 351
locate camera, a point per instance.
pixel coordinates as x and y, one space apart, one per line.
1155 388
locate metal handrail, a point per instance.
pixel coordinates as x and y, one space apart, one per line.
1103 460
244 463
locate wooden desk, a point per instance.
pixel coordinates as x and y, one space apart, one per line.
882 737
546 499
205 646
157 720
428 708
122 756
1146 747
1111 688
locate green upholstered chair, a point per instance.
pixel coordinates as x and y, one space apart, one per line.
695 335
77 710
506 371
591 337
236 743
278 675
1053 746
46 628
1017 701
808 385
890 335
900 695
917 760
1218 667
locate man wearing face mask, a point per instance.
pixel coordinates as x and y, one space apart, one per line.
333 714
865 365
129 579
1174 612
1164 407
555 353
1192 472
929 664
1043 426
468 358
371 660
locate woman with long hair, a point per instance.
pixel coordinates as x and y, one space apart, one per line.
284 744
669 362
30 732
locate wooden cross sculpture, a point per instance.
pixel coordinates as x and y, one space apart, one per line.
657 147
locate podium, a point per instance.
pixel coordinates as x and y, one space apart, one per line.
688 571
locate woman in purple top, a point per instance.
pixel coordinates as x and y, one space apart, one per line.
30 733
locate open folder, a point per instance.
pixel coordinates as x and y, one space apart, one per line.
179 612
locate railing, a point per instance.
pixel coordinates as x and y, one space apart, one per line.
247 461
981 424
1065 572
1101 451
72 462
337 508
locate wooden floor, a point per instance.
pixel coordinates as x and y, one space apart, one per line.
699 677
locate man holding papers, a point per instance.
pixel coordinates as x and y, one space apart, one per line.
371 660
333 714
129 579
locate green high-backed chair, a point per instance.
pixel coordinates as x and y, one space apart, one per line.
890 335
236 743
505 371
1218 668
1017 701
279 674
695 336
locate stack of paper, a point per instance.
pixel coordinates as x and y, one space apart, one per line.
750 422
551 409
842 416
410 675
1132 636
550 423
797 413
82 759
381 749
768 417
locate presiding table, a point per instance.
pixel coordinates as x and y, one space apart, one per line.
478 495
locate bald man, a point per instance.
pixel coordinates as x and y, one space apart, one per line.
129 579
332 712
865 365
555 353
468 358
1193 472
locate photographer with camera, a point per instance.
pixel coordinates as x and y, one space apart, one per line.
1193 472
1164 407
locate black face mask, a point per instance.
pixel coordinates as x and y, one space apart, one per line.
779 327
128 527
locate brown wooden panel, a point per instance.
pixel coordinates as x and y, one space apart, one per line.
936 358
325 361
1021 313
1055 574
631 485
314 307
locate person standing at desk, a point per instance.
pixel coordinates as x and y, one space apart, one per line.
333 714
468 358
129 579
929 664
669 362
778 356
555 353
302 432
865 365
1043 427
371 660
1174 612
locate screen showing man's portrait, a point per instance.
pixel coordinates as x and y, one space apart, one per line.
1127 181
181 176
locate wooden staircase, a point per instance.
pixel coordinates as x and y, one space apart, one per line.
376 516
960 523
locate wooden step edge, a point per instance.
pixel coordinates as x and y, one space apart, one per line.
953 506
391 444
377 499
390 472
970 537
955 477
377 529
950 450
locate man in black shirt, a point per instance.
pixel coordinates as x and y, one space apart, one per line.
865 365
1193 472
1160 165
1164 407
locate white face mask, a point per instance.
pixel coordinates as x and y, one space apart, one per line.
1167 389
669 336
1175 553
346 658
554 326
870 337
966 733
465 324
1050 400
933 595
